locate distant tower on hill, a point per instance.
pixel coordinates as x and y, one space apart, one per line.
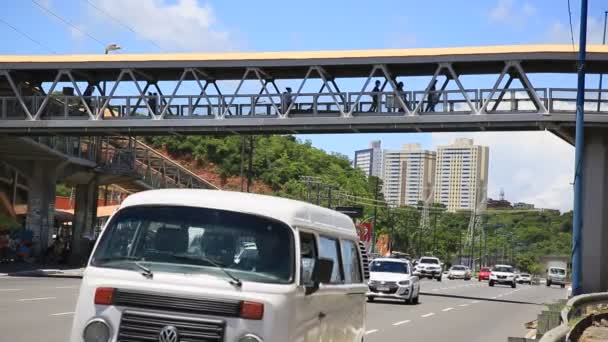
502 194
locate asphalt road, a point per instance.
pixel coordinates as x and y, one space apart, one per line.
41 309
458 310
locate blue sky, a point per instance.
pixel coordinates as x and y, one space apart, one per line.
191 25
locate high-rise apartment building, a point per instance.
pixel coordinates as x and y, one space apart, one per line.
461 176
370 160
408 175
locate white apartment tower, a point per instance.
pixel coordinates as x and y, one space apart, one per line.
461 176
370 160
408 175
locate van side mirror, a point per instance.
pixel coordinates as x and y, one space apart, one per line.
321 274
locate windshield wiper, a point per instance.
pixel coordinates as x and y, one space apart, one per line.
146 272
233 279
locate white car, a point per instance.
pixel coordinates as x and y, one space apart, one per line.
459 272
393 278
429 267
524 278
503 274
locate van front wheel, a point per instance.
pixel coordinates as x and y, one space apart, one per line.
370 299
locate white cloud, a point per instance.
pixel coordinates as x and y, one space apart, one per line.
533 167
559 32
511 12
181 25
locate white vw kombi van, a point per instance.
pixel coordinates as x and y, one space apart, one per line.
209 265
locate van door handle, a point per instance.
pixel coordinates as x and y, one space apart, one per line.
322 315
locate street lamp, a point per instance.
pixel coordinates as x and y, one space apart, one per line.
112 47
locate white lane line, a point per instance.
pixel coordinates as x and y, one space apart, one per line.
402 322
33 299
10 290
463 305
447 309
435 290
371 331
475 302
493 297
66 287
62 313
428 315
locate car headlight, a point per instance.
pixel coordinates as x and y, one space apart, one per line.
404 282
250 338
97 330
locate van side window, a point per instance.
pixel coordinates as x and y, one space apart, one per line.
328 248
350 260
308 255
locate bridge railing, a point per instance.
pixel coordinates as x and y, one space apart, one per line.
469 101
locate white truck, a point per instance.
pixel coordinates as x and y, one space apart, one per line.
557 273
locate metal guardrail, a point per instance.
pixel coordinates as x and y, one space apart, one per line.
473 101
575 307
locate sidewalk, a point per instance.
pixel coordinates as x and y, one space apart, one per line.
24 269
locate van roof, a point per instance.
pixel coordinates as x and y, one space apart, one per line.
294 213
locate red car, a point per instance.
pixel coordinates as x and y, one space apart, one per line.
484 274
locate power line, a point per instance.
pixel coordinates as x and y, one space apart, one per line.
571 29
123 24
27 36
65 21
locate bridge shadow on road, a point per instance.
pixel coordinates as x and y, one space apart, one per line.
479 298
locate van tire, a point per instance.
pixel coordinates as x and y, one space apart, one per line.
415 300
563 286
370 299
513 285
491 283
548 282
439 278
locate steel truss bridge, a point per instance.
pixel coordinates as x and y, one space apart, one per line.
31 102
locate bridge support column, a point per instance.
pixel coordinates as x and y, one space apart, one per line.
40 219
594 239
85 219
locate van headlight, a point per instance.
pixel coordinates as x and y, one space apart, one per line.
250 338
97 330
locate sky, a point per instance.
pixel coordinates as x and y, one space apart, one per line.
534 167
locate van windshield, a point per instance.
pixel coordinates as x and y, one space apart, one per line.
197 240
560 271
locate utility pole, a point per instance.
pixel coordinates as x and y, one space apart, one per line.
434 233
578 157
375 215
599 95
250 168
242 163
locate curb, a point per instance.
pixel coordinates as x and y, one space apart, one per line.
44 273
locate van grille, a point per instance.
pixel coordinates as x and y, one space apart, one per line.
194 305
138 326
364 260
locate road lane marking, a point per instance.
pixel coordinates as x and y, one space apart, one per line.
435 290
447 309
428 315
33 299
475 302
493 297
66 287
402 322
10 290
463 305
371 331
63 313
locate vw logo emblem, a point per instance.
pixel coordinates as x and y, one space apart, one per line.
168 334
